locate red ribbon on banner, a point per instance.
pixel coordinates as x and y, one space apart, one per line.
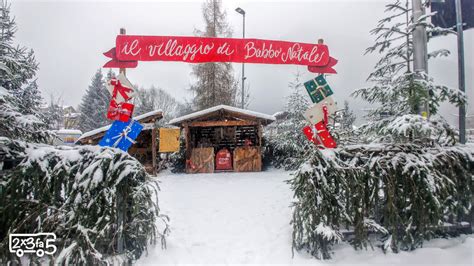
130 49
324 69
115 63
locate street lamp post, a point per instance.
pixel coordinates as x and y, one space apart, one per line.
461 77
420 55
242 12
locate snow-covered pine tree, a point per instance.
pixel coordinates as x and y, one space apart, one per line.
19 94
215 83
18 63
89 196
348 117
343 126
110 75
54 113
396 90
393 196
94 105
406 185
288 146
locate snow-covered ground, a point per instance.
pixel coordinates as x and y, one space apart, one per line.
236 218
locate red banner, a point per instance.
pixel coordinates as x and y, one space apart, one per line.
130 49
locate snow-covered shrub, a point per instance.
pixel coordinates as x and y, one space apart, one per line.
408 128
404 193
94 199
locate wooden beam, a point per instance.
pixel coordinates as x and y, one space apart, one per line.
123 70
187 134
222 123
153 146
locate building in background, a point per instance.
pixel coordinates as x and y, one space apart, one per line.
67 136
70 117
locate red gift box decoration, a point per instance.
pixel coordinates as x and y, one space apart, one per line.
322 135
120 111
308 132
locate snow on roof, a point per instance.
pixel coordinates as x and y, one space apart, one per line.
72 115
146 115
94 132
105 128
279 113
221 107
69 131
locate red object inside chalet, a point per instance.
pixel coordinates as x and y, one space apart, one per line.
223 160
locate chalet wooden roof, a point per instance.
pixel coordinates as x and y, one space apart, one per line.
220 112
100 132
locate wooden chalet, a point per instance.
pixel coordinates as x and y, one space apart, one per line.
145 150
223 138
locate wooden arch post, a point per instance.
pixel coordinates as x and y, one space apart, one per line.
123 70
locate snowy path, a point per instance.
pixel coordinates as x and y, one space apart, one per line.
244 218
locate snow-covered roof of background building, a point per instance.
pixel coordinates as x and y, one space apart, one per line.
69 131
141 119
280 115
204 112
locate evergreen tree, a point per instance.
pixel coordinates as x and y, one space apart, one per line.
18 63
403 191
54 114
343 127
110 75
30 98
90 196
289 145
397 90
348 117
94 105
19 94
215 81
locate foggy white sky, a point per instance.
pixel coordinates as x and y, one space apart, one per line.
69 37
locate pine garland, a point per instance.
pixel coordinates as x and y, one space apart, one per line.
403 192
81 194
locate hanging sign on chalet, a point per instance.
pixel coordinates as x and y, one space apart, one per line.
131 48
169 139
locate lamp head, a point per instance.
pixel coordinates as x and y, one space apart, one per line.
240 11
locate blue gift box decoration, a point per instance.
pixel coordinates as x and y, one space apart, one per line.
121 135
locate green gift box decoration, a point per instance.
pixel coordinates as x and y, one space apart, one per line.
310 85
318 89
313 91
321 80
327 90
